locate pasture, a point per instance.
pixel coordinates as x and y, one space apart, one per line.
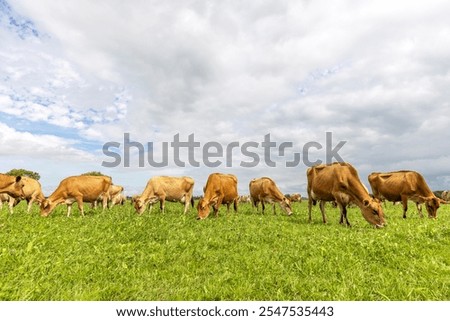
117 255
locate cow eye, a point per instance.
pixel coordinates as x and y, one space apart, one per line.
375 212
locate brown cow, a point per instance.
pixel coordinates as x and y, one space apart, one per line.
445 195
118 199
115 196
166 188
403 186
265 190
11 185
32 192
296 197
83 188
340 182
244 199
219 189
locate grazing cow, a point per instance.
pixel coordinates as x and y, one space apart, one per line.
403 186
32 192
219 189
11 185
244 199
445 195
296 197
265 190
115 196
340 182
83 188
166 188
118 199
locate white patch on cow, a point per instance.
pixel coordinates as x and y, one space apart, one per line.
70 201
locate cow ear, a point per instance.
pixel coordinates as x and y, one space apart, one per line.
343 186
18 178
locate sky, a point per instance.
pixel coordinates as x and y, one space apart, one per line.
76 75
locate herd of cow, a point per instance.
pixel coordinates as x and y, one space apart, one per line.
338 183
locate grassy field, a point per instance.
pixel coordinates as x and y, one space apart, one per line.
117 255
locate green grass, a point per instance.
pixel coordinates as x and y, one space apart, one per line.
117 255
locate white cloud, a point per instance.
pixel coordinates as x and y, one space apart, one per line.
19 143
374 73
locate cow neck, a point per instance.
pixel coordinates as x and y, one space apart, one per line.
146 193
6 180
357 191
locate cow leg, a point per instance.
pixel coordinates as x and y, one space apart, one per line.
217 206
235 203
80 204
187 200
310 201
343 209
419 209
30 203
255 204
262 206
322 210
274 211
104 202
69 209
405 205
162 204
11 205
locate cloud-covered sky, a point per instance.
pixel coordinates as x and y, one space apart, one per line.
75 75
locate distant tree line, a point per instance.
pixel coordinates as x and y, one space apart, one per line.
23 172
36 176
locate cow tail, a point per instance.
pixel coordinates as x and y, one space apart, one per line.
192 201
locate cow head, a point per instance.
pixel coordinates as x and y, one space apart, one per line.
47 207
203 208
140 204
373 213
432 204
286 206
17 190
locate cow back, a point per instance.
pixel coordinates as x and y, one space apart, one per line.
89 187
169 186
224 185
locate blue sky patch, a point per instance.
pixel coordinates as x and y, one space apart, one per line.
22 26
